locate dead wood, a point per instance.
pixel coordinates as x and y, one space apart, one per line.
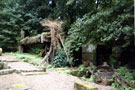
117 76
41 53
121 81
55 29
35 39
47 56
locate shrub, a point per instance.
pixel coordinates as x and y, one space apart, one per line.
49 66
60 59
126 75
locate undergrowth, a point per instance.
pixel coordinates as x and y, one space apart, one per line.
126 75
60 59
27 57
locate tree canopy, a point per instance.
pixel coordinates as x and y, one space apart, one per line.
16 15
112 26
95 21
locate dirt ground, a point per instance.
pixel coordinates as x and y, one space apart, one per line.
7 57
49 81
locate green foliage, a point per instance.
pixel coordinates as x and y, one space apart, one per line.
13 18
27 14
35 49
91 79
49 66
112 26
81 67
26 57
8 19
126 75
60 59
112 61
83 72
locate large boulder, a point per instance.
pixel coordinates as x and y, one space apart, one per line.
0 51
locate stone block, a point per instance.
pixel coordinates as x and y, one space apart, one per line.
83 86
1 65
6 71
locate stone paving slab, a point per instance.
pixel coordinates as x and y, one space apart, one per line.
6 71
8 60
23 67
84 86
33 73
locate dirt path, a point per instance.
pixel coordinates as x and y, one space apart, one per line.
48 81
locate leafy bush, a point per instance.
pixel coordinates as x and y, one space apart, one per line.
83 72
60 59
49 66
111 26
35 49
126 75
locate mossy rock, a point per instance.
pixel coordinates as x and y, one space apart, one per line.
78 73
74 73
1 65
84 86
6 71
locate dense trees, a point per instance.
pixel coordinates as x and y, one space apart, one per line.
16 15
111 25
98 21
108 22
13 18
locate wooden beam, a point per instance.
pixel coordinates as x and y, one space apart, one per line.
36 39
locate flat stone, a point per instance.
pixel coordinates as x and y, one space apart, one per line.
84 86
8 60
23 67
19 87
2 60
1 65
33 73
6 71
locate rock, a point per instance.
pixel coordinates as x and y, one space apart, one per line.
1 65
105 78
83 86
6 71
1 51
19 87
33 73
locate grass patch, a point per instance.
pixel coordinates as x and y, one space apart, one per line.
27 57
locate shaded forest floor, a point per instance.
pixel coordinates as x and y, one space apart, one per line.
50 80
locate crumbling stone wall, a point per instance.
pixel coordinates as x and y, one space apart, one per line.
89 54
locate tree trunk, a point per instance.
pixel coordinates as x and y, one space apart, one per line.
20 49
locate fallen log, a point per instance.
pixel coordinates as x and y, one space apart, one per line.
36 39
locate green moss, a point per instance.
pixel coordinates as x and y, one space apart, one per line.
84 86
27 57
